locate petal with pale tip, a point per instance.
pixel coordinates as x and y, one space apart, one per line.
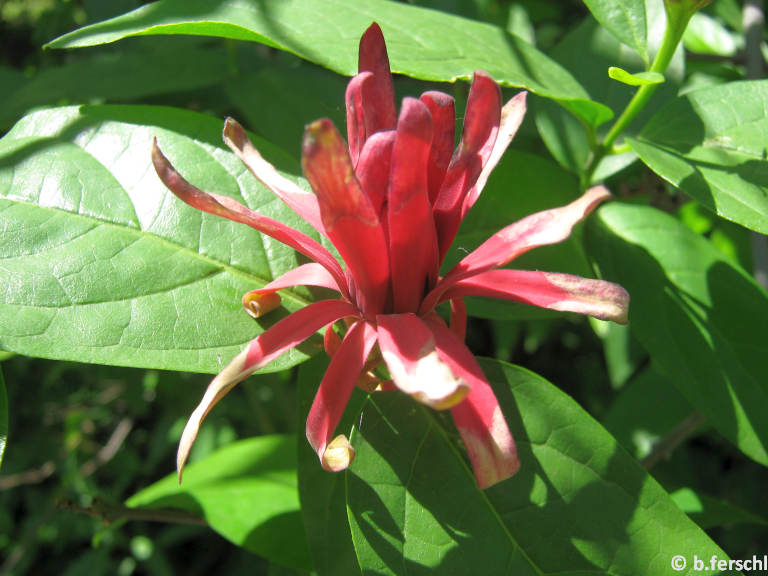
288 333
562 292
333 394
301 202
479 419
408 349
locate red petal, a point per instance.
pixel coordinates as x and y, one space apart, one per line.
301 202
373 170
230 208
413 254
348 216
356 129
477 139
284 335
511 118
379 97
563 292
333 395
542 228
441 107
311 274
478 418
408 349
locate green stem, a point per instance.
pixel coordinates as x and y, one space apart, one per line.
676 24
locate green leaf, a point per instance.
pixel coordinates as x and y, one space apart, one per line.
701 318
3 417
102 264
648 409
638 79
422 43
247 493
711 143
709 512
625 20
120 76
579 504
706 35
587 51
322 493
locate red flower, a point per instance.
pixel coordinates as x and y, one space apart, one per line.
391 202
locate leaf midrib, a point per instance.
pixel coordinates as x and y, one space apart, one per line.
222 267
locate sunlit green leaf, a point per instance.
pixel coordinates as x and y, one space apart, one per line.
710 512
327 32
638 79
247 492
701 318
102 264
711 143
414 507
625 20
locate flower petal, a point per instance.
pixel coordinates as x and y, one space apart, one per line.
259 302
286 334
373 170
481 125
413 257
478 418
348 216
332 397
408 349
511 117
232 209
542 228
357 134
301 202
442 109
379 98
459 318
563 292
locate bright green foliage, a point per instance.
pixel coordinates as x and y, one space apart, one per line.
639 79
699 316
103 264
408 469
625 20
246 492
711 144
327 33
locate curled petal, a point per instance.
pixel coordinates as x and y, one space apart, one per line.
442 108
333 394
511 117
413 256
481 125
542 228
259 302
408 349
301 202
284 335
563 292
478 418
233 210
348 216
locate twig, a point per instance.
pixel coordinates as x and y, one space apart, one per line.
110 513
663 449
108 451
35 476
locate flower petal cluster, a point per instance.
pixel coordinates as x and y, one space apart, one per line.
391 199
